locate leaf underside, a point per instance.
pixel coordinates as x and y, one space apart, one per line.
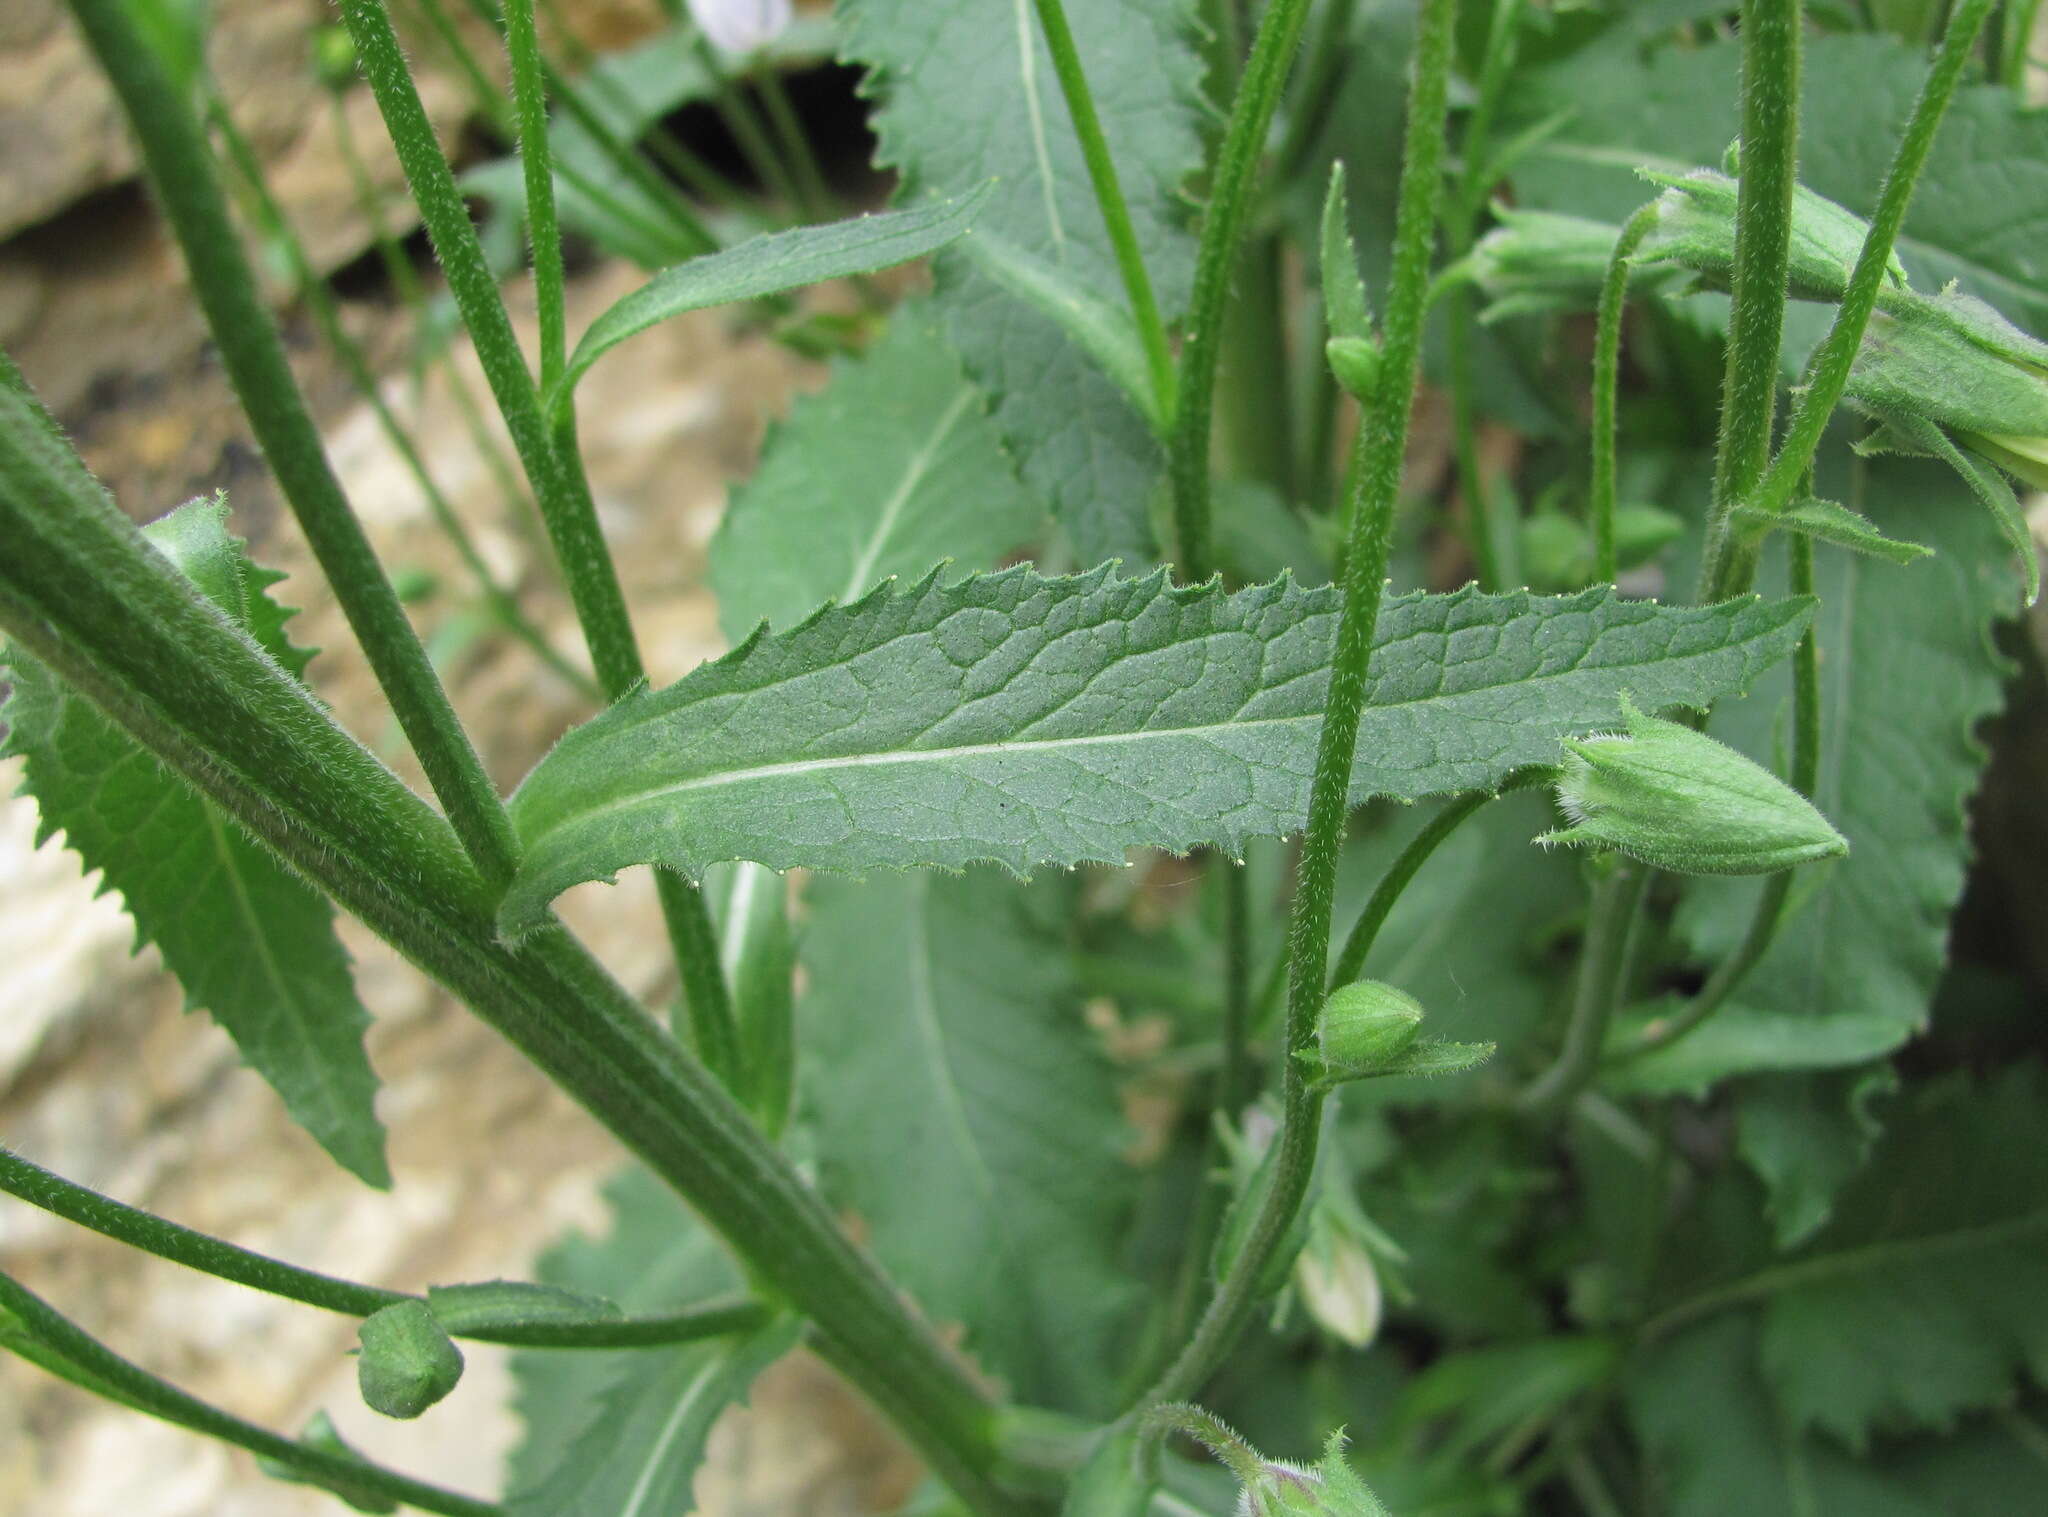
1027 721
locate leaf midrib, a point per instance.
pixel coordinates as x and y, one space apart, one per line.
793 767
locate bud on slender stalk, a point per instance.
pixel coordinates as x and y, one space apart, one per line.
1676 799
1338 1282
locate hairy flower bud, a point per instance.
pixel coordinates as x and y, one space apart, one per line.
1338 1282
1356 363
408 1361
741 26
1696 230
1536 261
1364 1026
1676 799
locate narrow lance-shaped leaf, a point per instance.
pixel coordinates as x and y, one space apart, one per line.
248 940
1027 721
770 265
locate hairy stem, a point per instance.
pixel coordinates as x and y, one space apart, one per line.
1109 197
215 1256
1230 190
98 1368
1606 385
1381 444
530 105
1828 372
1763 233
1351 960
1616 900
174 152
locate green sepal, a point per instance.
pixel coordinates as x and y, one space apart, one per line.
1911 432
1825 521
493 1305
321 1434
408 1361
1347 312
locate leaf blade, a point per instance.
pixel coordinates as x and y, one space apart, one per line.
1025 721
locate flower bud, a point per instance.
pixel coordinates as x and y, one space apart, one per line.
334 57
1696 230
408 1361
1356 363
1338 1282
1676 799
1325 1489
741 26
1537 261
1365 1026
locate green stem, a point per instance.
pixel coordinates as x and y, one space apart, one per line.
1606 386
553 463
1109 197
1329 54
175 153
313 291
1381 444
813 194
214 1256
81 592
1763 231
737 112
530 105
1770 907
1230 189
1612 916
1503 34
103 1370
1828 372
1351 960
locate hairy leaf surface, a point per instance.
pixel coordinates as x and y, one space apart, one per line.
1025 721
248 940
964 1113
966 89
891 469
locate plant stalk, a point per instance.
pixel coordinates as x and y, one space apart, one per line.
1109 197
1606 386
1616 900
77 1356
1230 190
1380 449
530 106
181 169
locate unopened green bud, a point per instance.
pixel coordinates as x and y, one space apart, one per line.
1955 362
1676 799
1537 261
1696 230
334 57
1356 363
408 1361
1366 1026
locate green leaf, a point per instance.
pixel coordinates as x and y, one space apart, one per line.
639 1452
1922 1299
1741 1039
1908 670
892 468
966 91
965 1114
656 1258
1824 521
770 265
1805 1136
1029 721
247 939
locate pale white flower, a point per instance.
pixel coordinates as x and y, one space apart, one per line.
1339 1285
741 26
